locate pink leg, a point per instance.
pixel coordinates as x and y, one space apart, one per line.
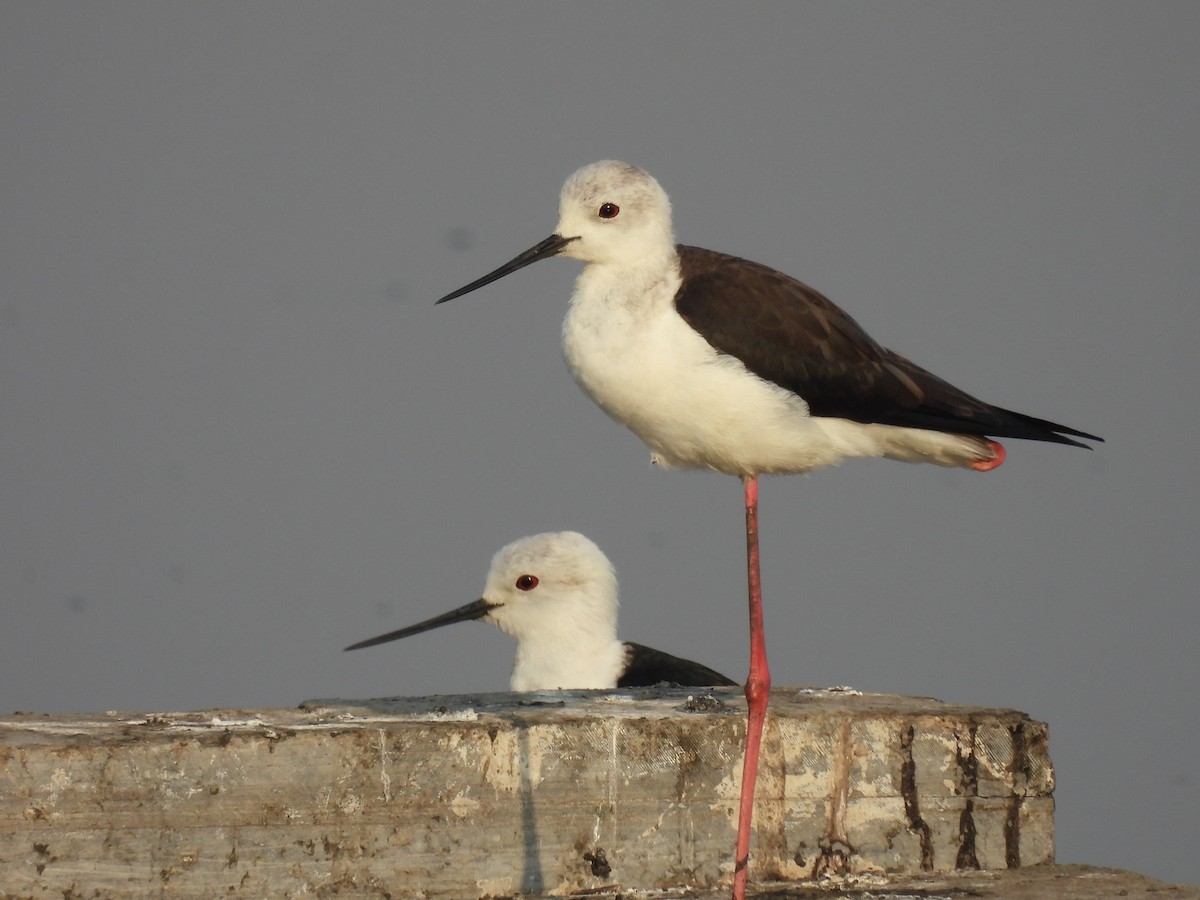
758 687
986 465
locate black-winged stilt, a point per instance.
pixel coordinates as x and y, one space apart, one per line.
721 363
556 593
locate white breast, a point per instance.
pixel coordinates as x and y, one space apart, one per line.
694 407
547 665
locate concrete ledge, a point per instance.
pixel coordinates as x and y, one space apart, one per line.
1027 883
497 794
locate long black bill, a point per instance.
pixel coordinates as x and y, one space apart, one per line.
476 610
551 246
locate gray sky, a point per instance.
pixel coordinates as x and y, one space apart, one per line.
236 435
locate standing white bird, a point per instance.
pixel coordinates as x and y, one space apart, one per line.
556 593
721 363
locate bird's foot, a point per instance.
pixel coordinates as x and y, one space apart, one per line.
986 465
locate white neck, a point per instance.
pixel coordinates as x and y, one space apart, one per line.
573 661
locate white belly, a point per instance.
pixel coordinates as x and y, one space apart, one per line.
697 408
692 406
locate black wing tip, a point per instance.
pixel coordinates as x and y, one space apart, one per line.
646 667
1032 428
989 421
1086 437
1055 437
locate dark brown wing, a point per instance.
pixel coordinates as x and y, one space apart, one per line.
645 666
787 333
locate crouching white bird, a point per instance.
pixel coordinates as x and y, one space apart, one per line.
556 593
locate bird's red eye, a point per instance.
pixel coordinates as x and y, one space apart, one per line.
609 210
527 582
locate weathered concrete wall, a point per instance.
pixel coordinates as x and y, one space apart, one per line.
508 793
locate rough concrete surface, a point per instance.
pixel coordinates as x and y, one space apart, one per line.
503 794
1026 883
